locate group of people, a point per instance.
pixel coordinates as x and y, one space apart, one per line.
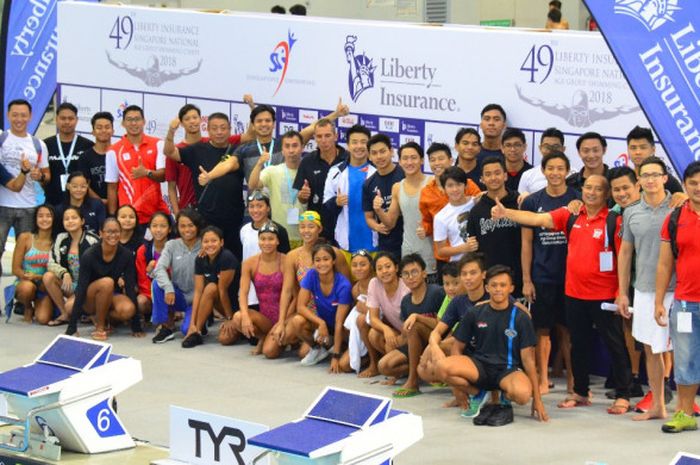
466 278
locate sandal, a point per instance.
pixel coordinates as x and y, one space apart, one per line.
98 335
619 407
57 322
404 393
573 401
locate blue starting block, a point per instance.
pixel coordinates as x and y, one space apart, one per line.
64 399
685 458
343 427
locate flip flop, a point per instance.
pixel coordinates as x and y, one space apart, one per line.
99 335
404 393
573 401
57 322
619 408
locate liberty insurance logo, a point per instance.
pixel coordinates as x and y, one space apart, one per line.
651 13
279 58
361 71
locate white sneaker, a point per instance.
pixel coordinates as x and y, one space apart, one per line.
315 355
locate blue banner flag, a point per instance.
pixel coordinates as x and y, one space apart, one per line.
29 43
657 45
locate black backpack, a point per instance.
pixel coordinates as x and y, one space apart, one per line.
673 229
610 222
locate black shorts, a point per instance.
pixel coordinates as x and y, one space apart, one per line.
490 376
548 307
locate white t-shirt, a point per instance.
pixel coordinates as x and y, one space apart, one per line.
249 240
450 224
531 181
11 158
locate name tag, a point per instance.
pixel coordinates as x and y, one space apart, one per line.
606 261
685 322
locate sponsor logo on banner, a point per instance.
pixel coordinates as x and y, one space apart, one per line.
662 37
280 57
286 127
153 52
307 116
410 127
288 115
402 82
348 121
389 124
651 13
202 438
120 109
622 160
370 122
404 138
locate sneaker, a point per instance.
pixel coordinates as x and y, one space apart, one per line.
18 308
644 405
501 416
679 423
484 414
163 335
475 404
193 340
316 354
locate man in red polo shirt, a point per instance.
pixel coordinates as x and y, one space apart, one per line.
684 314
591 279
134 169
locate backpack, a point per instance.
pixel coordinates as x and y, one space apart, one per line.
35 141
610 222
673 229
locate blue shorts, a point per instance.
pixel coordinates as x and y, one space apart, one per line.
686 346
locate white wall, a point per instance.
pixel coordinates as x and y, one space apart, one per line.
526 13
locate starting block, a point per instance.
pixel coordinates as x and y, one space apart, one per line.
343 427
64 399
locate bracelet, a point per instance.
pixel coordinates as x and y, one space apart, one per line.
335 355
24 172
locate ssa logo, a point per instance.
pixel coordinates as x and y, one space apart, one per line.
279 58
120 109
622 160
361 71
651 13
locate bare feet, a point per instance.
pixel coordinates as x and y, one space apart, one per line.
451 403
258 348
650 415
390 381
544 389
369 372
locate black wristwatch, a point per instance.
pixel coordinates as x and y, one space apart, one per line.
149 174
24 172
335 355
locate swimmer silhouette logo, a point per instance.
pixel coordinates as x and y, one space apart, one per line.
280 57
153 52
361 69
651 13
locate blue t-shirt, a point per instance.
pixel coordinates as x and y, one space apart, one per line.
458 307
326 305
359 233
548 247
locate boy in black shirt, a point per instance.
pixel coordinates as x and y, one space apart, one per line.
503 338
499 240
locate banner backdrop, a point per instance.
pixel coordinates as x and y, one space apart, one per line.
30 44
412 82
657 44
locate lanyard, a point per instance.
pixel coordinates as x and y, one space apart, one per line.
271 151
511 336
606 235
66 160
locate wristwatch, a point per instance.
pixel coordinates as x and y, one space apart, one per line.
149 174
24 172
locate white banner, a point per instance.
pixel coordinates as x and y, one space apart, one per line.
412 82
